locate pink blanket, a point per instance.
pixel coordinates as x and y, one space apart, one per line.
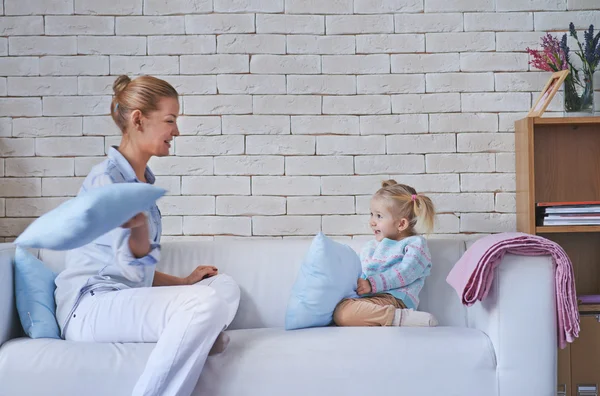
472 275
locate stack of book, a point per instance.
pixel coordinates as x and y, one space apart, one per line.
569 213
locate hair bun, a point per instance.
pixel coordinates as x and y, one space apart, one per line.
387 183
120 84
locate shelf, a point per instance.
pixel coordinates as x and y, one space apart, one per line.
565 229
566 120
589 307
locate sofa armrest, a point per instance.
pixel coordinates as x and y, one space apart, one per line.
9 321
519 317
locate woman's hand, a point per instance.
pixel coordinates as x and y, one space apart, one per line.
139 240
363 286
201 272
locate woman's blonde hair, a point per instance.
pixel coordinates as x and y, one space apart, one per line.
405 202
142 94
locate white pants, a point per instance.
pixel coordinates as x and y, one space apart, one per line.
184 321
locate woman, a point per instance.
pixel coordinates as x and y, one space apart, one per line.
105 294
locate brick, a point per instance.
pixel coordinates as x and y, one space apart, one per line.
42 86
496 62
290 24
421 144
100 126
492 102
36 7
393 124
3 46
219 23
6 127
251 44
144 64
350 145
20 107
319 165
181 165
192 85
46 127
425 63
21 66
172 225
122 7
521 82
356 64
61 186
214 225
170 183
217 104
507 121
149 25
506 203
498 22
516 42
167 7
446 223
251 84
285 64
20 187
321 85
11 147
344 225
319 7
351 185
363 104
215 185
13 227
116 45
285 185
22 26
188 205
460 82
390 43
485 142
488 222
2 207
182 45
426 103
79 25
451 163
76 105
458 5
304 44
191 146
320 205
249 5
582 4
73 66
391 84
83 165
463 202
428 183
31 207
387 6
287 104
531 5
42 45
359 24
463 122
325 125
249 206
474 182
256 125
283 145
95 85
249 165
69 146
286 225
505 162
195 125
461 42
115 141
424 23
376 164
3 87
214 64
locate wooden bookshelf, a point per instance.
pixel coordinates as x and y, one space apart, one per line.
558 159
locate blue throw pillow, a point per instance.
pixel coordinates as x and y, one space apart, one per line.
88 216
328 274
34 292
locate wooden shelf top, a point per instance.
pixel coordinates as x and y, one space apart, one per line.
566 229
566 120
589 307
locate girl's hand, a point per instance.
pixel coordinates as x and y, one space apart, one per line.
201 272
363 287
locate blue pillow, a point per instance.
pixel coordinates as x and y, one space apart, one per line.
328 274
34 292
84 218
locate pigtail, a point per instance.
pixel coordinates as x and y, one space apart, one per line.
425 212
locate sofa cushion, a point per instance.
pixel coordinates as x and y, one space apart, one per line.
317 361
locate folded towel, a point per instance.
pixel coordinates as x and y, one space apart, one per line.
472 275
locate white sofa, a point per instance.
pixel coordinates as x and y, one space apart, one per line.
505 346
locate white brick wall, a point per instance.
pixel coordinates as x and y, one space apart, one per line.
294 111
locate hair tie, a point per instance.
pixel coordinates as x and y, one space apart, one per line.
413 197
116 106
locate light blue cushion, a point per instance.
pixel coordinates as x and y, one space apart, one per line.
328 274
84 218
34 292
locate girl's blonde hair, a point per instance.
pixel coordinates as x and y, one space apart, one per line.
142 94
405 202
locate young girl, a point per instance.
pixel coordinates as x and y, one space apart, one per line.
395 264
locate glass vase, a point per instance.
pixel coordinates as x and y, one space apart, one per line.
579 94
